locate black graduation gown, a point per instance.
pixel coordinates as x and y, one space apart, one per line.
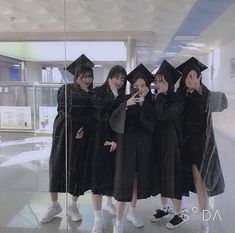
167 137
79 114
134 152
199 147
102 160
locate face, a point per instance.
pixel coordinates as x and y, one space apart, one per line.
140 85
159 82
191 75
85 79
118 81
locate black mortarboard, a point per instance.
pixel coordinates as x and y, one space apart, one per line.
192 63
82 60
169 72
140 69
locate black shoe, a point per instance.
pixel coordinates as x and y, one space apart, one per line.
160 214
175 222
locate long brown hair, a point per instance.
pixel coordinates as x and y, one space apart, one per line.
115 71
82 70
182 87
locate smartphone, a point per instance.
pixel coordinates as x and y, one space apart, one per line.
134 91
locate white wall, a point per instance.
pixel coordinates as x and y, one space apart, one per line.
221 81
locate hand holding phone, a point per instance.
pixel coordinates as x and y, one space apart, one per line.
134 91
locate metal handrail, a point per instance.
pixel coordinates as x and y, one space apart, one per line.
31 84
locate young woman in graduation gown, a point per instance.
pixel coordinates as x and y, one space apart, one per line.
167 137
203 173
71 128
133 158
104 140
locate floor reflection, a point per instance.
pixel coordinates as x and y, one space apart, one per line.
24 193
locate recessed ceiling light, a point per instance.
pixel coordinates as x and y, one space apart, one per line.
197 45
16 65
190 48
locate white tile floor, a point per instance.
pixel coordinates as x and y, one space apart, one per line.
24 197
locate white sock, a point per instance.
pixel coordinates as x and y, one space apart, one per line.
54 203
165 208
108 200
118 222
183 203
131 209
73 203
97 215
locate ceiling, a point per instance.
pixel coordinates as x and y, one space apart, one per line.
162 28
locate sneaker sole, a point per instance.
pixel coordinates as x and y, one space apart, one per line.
134 224
170 226
50 219
74 220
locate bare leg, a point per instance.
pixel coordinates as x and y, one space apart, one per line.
203 199
164 203
97 202
120 207
200 188
54 197
134 195
177 206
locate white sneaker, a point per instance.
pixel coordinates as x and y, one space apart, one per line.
110 207
134 218
51 212
118 228
74 213
97 228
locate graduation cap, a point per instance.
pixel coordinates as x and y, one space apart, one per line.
82 60
192 63
138 71
169 72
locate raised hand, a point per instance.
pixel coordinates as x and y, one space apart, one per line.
133 100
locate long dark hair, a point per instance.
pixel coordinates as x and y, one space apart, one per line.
146 80
116 71
182 87
168 78
82 70
140 76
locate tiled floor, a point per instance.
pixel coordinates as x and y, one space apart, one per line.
24 197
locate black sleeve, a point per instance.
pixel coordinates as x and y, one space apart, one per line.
166 110
104 104
217 101
147 118
118 118
64 94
